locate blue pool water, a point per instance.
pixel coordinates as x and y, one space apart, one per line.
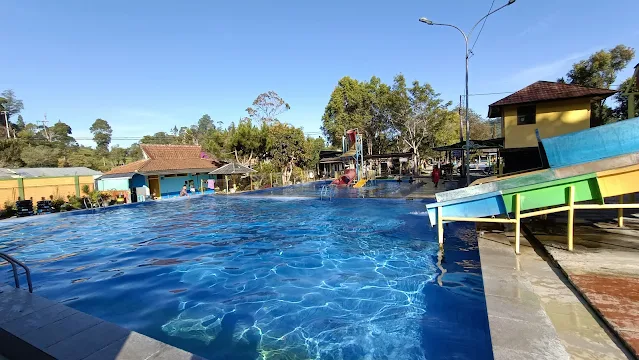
373 189
267 277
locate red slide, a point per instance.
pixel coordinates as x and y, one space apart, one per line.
345 179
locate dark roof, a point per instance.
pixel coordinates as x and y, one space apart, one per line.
232 168
389 155
170 159
547 91
477 144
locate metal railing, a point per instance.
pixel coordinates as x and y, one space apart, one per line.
13 262
327 192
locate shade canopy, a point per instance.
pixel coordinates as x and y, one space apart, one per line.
475 145
232 169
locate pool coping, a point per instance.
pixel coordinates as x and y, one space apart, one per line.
32 327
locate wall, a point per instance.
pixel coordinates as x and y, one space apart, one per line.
138 181
113 184
173 185
9 191
552 119
39 187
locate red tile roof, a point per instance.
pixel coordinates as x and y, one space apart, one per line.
547 91
172 158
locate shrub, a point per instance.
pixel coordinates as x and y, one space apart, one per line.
9 210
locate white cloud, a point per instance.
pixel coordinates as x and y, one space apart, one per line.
547 71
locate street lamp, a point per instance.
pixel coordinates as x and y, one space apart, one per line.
430 22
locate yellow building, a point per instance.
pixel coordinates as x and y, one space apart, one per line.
549 107
36 183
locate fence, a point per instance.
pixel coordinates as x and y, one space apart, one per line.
39 187
256 181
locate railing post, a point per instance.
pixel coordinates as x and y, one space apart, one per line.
620 211
440 227
571 216
517 223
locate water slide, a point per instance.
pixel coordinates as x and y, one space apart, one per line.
346 179
596 163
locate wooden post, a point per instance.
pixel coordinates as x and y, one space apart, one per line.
620 212
226 177
251 178
271 179
571 216
440 227
517 223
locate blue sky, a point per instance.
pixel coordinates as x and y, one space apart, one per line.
145 66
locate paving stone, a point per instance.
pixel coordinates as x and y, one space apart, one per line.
502 353
38 319
513 309
60 330
87 341
133 347
172 353
19 302
526 337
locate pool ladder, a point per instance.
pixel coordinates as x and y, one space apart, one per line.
327 192
13 262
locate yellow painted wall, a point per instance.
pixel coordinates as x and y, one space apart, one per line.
553 118
37 188
8 191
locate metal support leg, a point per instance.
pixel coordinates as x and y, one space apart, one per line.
517 223
440 227
620 212
571 216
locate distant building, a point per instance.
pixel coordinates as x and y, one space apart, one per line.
164 170
550 107
37 183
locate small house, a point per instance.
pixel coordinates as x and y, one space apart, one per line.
164 170
551 108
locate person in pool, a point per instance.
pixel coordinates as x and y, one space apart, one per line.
184 192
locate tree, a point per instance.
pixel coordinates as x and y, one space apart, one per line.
418 112
20 123
267 107
101 131
134 153
620 112
600 71
11 106
10 153
349 107
205 124
84 156
40 156
60 134
117 155
158 138
245 141
285 145
601 68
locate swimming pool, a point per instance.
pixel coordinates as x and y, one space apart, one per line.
266 277
373 189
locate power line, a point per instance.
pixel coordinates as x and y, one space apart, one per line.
482 27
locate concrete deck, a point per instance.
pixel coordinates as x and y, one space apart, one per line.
533 313
32 327
604 265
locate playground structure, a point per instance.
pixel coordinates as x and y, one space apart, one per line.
353 154
585 168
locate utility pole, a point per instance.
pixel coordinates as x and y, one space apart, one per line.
44 125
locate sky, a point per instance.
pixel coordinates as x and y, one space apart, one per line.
147 65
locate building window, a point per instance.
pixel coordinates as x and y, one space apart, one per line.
526 115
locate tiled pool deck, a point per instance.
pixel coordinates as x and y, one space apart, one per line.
32 327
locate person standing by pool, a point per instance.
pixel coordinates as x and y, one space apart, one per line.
435 175
184 192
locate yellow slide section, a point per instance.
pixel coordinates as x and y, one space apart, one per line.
360 183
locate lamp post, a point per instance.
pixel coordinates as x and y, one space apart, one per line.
430 22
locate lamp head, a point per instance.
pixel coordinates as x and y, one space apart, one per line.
510 2
430 22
